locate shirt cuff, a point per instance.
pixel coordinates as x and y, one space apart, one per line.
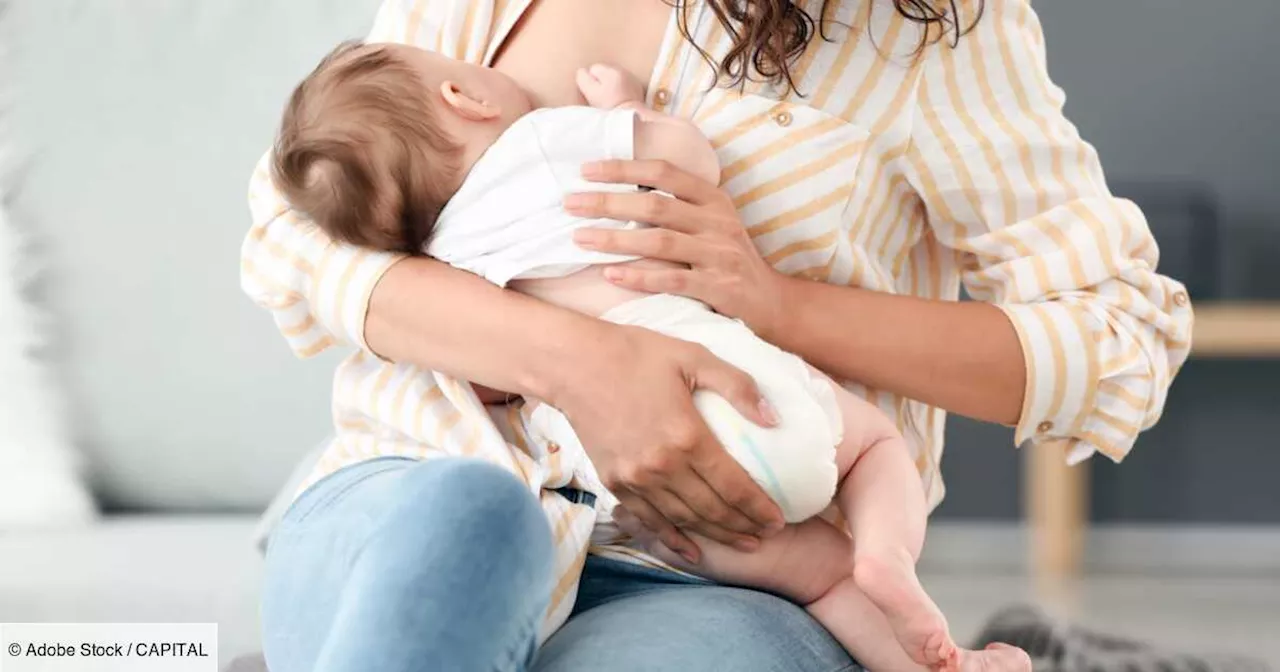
344 282
1061 402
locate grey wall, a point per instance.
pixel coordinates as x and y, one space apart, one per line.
1212 458
1185 92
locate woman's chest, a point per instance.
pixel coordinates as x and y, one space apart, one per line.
552 39
814 169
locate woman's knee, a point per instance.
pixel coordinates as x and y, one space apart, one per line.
459 544
472 491
469 505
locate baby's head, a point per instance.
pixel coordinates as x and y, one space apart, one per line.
378 137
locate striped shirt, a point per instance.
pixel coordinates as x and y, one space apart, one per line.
907 175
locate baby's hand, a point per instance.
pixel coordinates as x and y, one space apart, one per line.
607 87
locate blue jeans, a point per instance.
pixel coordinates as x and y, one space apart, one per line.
404 566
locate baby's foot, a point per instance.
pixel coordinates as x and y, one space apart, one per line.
994 658
607 87
889 580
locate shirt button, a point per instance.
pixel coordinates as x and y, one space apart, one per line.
553 447
662 97
1181 298
1044 427
782 118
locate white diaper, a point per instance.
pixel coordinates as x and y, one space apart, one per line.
794 462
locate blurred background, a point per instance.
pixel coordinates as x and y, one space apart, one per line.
128 355
1181 543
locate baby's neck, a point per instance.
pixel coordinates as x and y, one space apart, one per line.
586 291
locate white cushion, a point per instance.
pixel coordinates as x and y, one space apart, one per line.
140 122
39 482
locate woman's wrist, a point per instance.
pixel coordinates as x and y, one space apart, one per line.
563 352
786 304
959 356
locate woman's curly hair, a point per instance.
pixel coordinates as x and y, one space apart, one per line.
769 35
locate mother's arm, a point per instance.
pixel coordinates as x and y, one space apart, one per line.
1058 266
1074 338
627 391
656 454
962 357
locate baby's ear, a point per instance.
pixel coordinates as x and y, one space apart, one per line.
465 106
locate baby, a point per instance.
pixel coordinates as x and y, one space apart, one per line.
397 148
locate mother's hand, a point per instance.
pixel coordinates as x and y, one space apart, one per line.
699 228
629 398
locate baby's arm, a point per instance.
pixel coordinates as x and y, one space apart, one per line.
658 136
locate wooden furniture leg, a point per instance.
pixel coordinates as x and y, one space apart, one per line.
1057 501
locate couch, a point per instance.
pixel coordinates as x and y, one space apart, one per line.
136 124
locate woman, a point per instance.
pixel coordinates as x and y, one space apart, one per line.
876 155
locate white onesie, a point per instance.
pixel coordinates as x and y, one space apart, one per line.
506 222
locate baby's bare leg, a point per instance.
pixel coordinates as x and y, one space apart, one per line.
807 563
802 562
883 501
864 590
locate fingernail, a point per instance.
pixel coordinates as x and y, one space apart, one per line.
613 274
586 238
748 545
689 556
775 527
591 169
769 413
575 201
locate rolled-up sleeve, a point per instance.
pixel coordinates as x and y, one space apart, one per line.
316 288
1010 186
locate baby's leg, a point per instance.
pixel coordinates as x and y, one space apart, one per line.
873 604
883 501
881 497
808 563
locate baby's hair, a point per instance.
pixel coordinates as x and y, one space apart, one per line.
360 151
